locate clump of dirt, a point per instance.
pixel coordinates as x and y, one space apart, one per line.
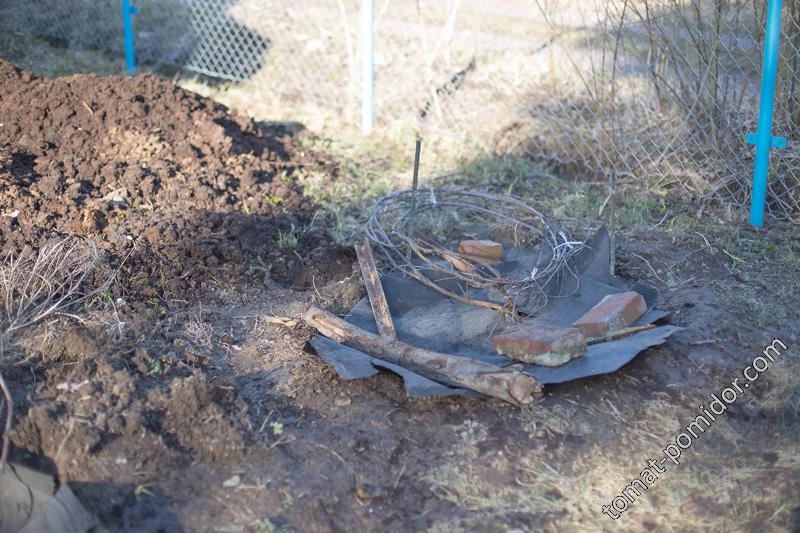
176 184
138 395
199 424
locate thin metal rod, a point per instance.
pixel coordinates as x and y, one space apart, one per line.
414 187
417 150
6 440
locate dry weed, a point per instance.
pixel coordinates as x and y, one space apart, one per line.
33 286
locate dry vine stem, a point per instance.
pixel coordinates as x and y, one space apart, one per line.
35 286
400 226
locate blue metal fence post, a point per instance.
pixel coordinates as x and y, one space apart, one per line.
763 138
127 27
367 65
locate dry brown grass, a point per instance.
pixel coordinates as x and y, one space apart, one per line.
719 485
37 285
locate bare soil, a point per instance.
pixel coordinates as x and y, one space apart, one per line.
172 404
195 190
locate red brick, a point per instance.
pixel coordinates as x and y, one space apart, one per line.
483 251
540 344
614 312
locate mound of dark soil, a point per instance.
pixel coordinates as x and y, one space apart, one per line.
186 198
197 192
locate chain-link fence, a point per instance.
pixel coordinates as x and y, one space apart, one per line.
661 92
197 35
664 92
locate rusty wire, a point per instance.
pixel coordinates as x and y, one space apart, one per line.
418 233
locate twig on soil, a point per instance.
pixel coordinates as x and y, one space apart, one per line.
400 475
314 284
735 258
285 321
336 454
652 270
64 440
284 439
703 342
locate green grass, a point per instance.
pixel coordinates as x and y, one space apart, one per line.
51 59
266 525
288 239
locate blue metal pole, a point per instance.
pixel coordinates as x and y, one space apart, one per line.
763 139
127 27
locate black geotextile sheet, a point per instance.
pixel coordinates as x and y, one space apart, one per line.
427 319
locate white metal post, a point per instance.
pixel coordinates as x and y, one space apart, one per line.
367 66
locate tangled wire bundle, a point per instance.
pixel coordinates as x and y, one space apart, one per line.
413 229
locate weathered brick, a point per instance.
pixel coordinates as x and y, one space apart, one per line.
483 251
612 313
540 344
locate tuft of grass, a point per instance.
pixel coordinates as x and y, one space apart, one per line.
288 239
266 525
639 212
783 396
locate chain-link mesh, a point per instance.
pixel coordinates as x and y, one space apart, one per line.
666 91
223 46
198 35
662 92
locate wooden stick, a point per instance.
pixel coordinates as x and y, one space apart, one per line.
624 332
377 298
505 384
